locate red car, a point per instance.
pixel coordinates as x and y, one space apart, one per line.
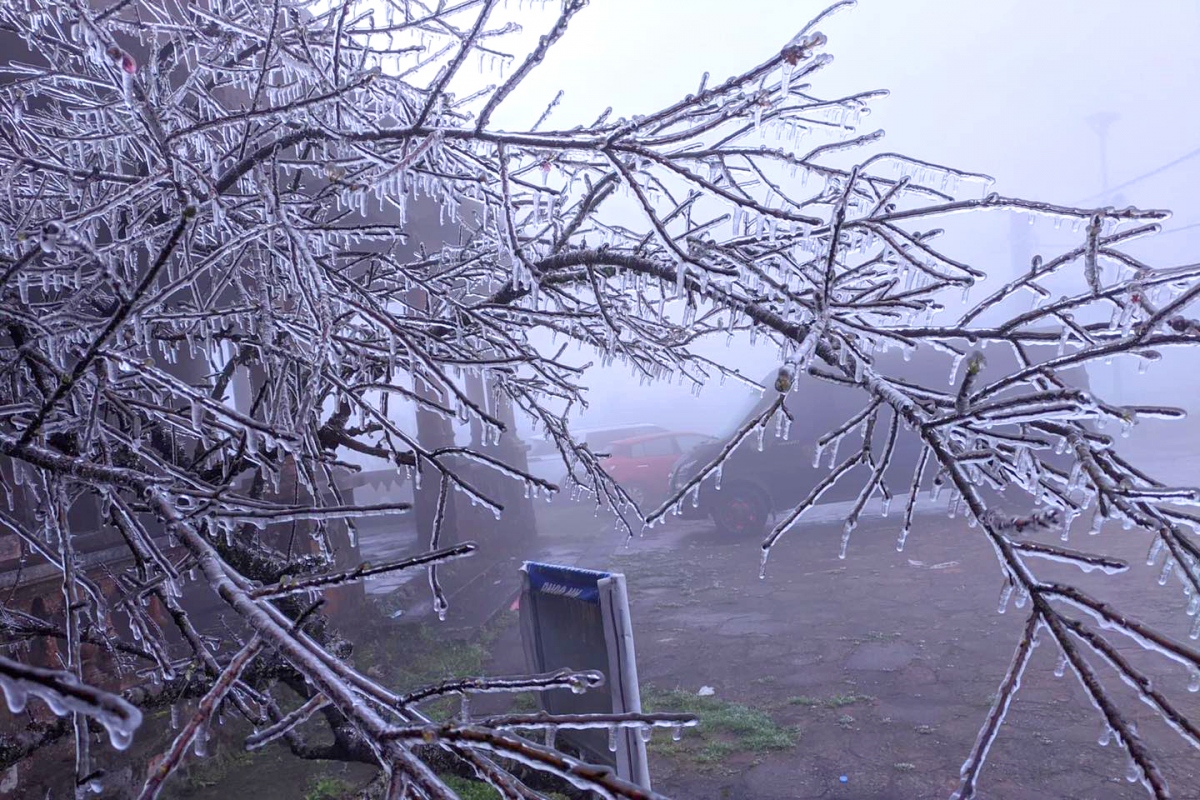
643 464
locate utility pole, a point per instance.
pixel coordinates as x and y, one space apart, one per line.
1100 122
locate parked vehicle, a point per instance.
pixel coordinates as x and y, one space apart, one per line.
757 483
545 461
643 464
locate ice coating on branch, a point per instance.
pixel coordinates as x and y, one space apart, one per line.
300 184
64 694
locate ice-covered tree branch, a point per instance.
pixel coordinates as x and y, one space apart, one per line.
217 282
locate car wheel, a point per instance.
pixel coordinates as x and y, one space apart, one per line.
739 509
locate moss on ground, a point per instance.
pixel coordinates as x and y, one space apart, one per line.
725 730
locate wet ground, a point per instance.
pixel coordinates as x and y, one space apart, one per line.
882 665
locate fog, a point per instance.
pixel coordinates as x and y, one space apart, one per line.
1018 90
814 663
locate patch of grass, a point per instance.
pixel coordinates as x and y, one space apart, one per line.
725 728
325 788
843 700
904 766
845 721
833 701
477 790
924 730
420 654
470 790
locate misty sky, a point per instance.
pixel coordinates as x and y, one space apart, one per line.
1005 88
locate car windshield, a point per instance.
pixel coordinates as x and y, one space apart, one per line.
750 401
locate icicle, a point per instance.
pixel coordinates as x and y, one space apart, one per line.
1005 594
1168 568
958 359
200 743
613 734
847 529
1156 548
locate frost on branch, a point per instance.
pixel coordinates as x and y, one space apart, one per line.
243 244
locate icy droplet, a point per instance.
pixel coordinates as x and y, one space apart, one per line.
1005 593
1156 548
847 529
15 695
1168 568
200 743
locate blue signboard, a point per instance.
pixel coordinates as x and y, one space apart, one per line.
569 582
579 619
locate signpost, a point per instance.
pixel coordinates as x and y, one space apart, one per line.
579 619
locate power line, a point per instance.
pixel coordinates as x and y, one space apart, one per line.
1143 177
1181 228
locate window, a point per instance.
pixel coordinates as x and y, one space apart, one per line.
652 448
689 441
619 450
